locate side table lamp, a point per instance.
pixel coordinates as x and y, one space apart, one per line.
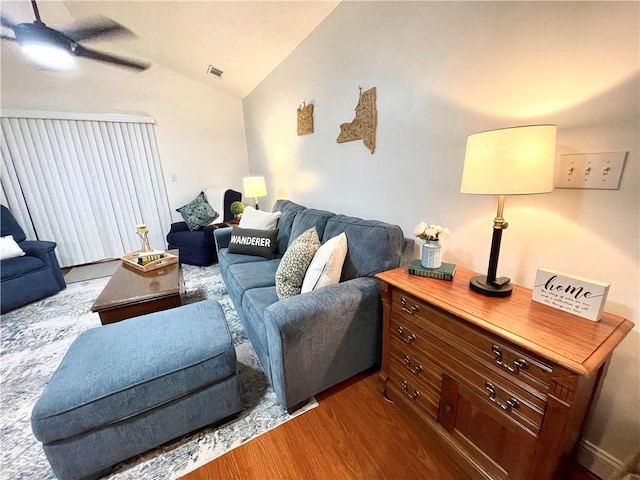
254 187
509 161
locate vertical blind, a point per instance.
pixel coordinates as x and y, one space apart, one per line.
84 184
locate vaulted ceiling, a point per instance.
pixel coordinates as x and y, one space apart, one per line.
244 39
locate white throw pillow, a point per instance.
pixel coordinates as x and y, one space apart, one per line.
9 248
326 266
258 219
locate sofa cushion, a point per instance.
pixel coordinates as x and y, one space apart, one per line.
374 246
9 248
252 241
289 211
326 267
254 303
198 213
226 259
309 218
246 276
19 266
258 219
294 263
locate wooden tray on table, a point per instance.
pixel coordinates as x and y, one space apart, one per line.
131 260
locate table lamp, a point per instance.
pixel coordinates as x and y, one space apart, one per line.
508 161
254 187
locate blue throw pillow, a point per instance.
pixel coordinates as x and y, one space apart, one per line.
198 213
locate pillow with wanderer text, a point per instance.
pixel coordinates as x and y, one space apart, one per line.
253 241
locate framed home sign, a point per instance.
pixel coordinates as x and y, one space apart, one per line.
570 293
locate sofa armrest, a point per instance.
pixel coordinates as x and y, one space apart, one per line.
45 251
179 227
38 248
222 237
323 337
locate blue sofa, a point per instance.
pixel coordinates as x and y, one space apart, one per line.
31 277
314 340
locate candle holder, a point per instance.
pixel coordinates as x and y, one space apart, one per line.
143 233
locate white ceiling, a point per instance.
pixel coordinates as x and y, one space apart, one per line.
244 39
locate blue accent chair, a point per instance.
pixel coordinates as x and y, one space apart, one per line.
33 276
197 247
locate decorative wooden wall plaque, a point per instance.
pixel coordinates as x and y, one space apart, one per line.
305 119
364 124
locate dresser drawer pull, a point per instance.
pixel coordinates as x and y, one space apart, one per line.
409 338
405 387
518 364
415 370
506 406
411 311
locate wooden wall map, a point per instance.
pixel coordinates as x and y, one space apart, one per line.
305 119
364 124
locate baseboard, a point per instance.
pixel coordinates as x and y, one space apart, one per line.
596 460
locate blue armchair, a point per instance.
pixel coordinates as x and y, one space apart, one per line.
197 247
31 277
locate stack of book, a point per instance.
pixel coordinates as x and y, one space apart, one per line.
446 271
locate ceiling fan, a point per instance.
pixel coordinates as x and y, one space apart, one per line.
36 36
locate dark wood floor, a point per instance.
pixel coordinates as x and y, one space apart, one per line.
354 433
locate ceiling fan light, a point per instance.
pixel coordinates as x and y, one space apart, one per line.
49 56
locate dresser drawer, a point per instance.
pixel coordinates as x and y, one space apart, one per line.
506 397
436 356
416 365
413 391
510 361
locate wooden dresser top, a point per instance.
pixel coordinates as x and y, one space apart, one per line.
577 344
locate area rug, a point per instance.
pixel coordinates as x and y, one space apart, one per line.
35 338
91 271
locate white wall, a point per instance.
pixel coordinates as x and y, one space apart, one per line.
444 70
199 130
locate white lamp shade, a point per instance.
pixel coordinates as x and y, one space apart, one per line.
254 187
510 161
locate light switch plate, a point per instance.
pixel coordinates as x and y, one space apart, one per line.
590 170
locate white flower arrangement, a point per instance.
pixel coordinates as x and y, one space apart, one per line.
425 232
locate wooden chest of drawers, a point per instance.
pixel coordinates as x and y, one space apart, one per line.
505 383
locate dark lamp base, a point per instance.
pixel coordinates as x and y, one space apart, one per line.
479 285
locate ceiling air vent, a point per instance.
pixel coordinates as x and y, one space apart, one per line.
214 71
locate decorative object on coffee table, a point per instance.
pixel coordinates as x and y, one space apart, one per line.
134 260
143 233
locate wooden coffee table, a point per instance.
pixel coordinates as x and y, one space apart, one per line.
130 292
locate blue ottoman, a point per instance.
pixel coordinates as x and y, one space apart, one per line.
127 387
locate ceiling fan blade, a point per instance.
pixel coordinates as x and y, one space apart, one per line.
97 27
6 22
4 37
105 57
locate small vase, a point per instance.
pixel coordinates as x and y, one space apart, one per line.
431 254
